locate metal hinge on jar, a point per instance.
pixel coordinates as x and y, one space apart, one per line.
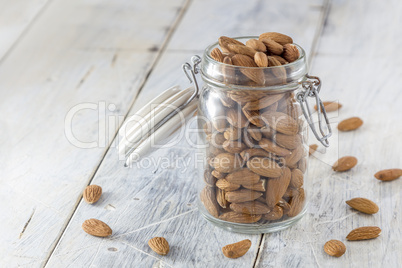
311 88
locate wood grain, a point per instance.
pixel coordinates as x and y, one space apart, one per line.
76 52
15 19
368 88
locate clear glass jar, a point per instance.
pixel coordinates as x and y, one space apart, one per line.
254 176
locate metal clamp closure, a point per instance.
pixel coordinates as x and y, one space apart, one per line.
311 88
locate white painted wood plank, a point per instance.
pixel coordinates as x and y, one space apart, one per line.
15 17
356 70
93 52
212 19
164 192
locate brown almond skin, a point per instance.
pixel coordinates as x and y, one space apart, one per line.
239 217
364 233
388 174
92 193
261 59
96 228
335 248
312 149
350 124
277 37
290 52
236 250
363 205
345 163
160 245
256 45
330 106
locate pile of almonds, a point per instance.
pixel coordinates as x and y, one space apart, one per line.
256 155
270 50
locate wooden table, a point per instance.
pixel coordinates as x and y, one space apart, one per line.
116 55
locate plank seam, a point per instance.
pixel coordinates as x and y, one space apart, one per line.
317 35
25 31
153 64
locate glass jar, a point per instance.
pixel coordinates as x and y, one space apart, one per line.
254 177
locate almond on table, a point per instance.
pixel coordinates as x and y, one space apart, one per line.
236 250
345 163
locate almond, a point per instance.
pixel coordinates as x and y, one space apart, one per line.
388 174
256 45
236 250
217 55
253 117
272 46
345 163
281 122
261 59
96 228
245 61
216 139
234 147
209 179
277 37
284 205
236 118
330 106
255 133
335 248
263 102
241 49
242 195
220 198
259 186
251 207
226 185
312 149
271 147
218 175
364 233
232 133
296 180
280 59
275 214
226 162
350 124
363 205
208 198
288 141
239 217
249 140
265 167
92 193
296 203
295 156
228 72
249 153
243 176
272 61
225 100
276 187
290 52
224 41
159 245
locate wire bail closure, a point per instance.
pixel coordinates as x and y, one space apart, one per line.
196 60
311 88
